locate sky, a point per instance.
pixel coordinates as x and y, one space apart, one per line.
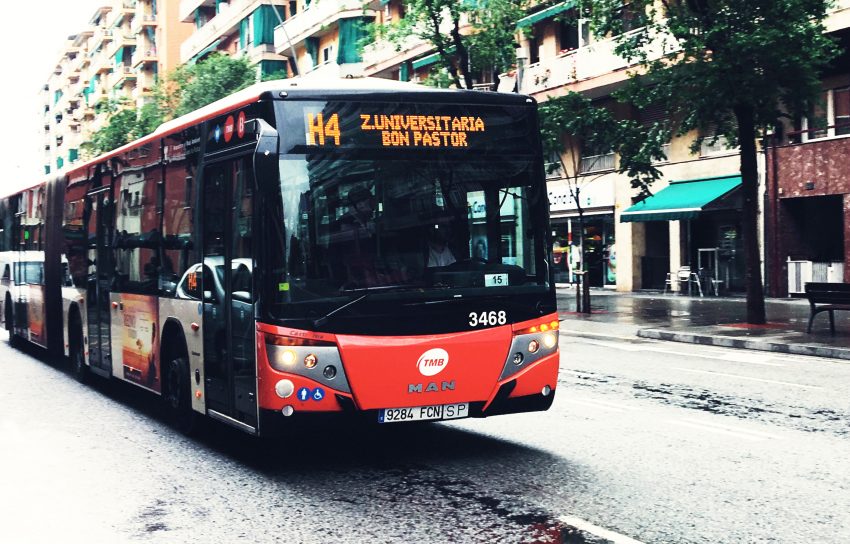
32 35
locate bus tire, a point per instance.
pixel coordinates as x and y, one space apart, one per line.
7 314
178 396
76 351
9 318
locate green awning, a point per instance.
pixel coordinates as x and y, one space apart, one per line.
430 59
204 52
681 200
544 14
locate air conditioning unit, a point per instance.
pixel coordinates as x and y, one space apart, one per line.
802 272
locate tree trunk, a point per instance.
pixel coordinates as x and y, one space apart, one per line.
749 186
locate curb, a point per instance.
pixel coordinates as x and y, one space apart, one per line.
739 343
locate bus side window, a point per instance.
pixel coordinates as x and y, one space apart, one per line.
180 199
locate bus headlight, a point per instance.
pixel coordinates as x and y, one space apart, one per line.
285 357
550 340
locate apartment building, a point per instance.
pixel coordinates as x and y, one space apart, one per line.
118 55
692 219
236 27
807 183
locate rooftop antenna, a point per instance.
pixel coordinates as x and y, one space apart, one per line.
294 62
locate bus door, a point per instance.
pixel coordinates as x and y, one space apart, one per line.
228 292
99 258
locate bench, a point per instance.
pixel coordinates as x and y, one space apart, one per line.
827 297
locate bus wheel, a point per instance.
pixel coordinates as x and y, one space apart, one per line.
178 399
78 361
7 315
9 318
77 356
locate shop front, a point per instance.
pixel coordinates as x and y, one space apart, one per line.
710 246
596 221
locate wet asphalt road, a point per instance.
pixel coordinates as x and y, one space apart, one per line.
652 441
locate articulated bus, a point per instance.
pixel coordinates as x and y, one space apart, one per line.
355 247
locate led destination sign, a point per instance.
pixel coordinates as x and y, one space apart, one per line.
348 126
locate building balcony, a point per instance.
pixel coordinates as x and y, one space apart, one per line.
126 11
332 70
141 22
122 75
315 20
585 63
144 58
838 17
382 55
222 25
815 168
121 39
188 7
102 37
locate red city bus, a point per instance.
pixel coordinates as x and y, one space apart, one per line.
369 247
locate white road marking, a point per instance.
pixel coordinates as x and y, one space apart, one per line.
733 429
605 405
749 357
587 527
738 376
568 332
723 429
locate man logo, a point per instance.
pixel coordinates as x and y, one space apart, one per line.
432 362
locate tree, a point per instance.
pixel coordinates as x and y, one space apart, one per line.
572 123
185 89
121 127
217 76
489 44
732 68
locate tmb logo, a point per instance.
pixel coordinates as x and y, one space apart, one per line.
432 362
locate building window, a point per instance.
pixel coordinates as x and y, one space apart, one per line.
554 166
715 144
594 161
829 115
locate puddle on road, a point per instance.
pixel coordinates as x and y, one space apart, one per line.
704 400
499 519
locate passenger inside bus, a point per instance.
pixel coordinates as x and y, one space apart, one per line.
439 253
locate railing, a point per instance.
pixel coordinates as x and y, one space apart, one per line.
596 163
318 15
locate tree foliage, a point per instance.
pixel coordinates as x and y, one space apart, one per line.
185 89
571 123
729 67
486 44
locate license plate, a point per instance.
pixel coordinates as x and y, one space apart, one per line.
424 413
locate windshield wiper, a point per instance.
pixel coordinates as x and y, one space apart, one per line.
325 318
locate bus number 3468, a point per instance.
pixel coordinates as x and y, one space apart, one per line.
487 318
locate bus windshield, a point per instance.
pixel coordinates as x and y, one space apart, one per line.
431 225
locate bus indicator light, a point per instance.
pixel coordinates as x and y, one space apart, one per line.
310 361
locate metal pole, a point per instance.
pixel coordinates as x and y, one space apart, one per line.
286 35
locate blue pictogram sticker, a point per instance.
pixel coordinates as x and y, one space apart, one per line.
217 133
304 393
318 394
